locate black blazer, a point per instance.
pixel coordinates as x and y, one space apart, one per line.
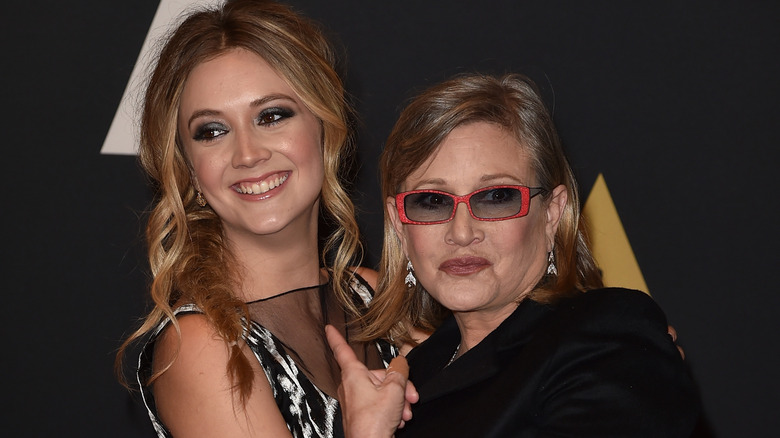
597 365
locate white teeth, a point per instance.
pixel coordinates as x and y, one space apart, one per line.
261 187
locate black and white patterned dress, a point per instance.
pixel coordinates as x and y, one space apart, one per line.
308 411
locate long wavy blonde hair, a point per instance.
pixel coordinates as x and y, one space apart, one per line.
188 254
512 103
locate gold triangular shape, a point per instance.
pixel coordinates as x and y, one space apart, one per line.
609 242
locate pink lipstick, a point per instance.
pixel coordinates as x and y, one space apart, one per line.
464 265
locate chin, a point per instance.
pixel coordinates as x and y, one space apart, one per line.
460 303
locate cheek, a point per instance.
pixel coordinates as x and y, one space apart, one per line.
306 150
204 161
312 165
207 170
421 244
523 246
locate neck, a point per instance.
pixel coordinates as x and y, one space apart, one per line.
276 263
474 326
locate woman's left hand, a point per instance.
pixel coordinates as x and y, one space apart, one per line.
374 403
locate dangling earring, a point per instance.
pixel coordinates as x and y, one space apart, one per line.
200 199
410 279
551 269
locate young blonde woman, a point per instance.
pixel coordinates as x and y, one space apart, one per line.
244 134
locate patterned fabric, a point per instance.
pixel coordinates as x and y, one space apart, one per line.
308 411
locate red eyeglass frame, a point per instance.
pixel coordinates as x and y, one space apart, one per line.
527 193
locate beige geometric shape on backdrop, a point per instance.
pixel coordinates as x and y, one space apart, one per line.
609 241
122 136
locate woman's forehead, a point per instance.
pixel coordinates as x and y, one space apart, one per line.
477 152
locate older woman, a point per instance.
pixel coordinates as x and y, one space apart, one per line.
484 244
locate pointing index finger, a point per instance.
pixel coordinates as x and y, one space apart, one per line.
341 350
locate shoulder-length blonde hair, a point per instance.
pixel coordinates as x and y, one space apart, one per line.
512 103
189 258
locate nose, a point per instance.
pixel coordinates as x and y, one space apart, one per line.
249 149
463 230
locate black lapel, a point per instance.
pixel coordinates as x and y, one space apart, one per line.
427 361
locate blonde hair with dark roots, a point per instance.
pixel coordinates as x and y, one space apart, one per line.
513 103
188 253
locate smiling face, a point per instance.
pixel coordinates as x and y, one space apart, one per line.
479 268
254 146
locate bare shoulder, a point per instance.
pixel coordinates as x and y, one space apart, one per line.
194 396
196 334
368 274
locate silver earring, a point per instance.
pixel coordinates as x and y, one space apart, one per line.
551 269
410 279
200 199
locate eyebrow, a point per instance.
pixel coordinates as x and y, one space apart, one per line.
484 178
493 177
254 104
271 97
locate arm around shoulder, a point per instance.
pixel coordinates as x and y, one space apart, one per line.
194 397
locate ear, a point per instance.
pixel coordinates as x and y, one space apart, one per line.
555 208
395 219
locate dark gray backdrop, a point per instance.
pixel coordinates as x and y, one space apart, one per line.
675 102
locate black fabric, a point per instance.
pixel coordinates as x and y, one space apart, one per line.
286 334
297 320
597 365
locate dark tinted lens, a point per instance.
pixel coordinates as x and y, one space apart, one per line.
497 203
428 206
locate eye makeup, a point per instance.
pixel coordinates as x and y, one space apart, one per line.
210 131
273 115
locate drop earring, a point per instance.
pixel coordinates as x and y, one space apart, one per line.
551 269
200 199
410 280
